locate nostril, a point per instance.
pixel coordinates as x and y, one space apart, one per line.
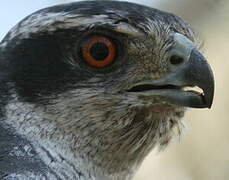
176 60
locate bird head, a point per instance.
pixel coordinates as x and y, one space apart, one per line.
104 81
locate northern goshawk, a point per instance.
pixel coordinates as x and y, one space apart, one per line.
89 88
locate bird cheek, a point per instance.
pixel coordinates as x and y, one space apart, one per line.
162 109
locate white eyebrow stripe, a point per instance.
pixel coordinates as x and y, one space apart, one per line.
128 29
50 22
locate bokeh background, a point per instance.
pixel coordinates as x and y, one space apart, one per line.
202 153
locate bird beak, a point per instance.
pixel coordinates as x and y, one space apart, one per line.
189 69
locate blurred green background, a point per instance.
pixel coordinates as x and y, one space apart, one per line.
202 153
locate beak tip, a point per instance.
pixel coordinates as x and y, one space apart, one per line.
203 77
209 106
209 101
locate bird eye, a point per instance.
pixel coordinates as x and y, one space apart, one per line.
98 51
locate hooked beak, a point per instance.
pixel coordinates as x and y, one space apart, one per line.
190 69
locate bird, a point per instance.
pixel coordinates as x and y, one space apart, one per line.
89 88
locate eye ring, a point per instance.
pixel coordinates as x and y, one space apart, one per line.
99 51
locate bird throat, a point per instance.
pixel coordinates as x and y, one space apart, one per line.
108 140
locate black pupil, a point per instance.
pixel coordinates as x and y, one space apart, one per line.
99 51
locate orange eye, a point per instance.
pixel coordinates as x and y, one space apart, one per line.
99 51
